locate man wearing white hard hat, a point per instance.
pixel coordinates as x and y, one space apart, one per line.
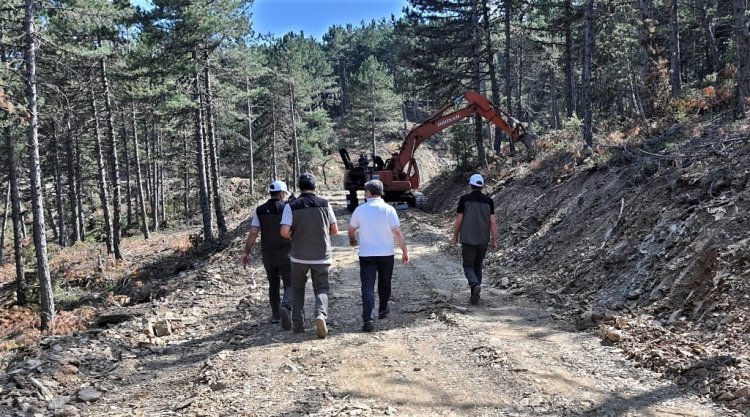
275 252
476 228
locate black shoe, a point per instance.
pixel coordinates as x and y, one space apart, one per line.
475 290
383 315
275 319
368 326
298 330
286 318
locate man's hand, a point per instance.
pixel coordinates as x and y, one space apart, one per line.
454 240
494 245
353 241
245 259
405 258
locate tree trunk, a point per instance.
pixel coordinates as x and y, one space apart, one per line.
208 236
588 41
5 223
15 200
569 102
61 234
37 205
128 185
114 165
154 169
139 179
477 80
742 56
48 215
250 136
72 180
674 49
372 119
554 111
162 186
519 83
102 176
295 139
274 174
645 96
186 181
213 153
494 86
508 77
149 188
712 51
79 190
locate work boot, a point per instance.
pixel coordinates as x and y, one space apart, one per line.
275 319
286 318
368 326
321 329
475 290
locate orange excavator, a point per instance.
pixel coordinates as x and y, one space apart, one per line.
400 174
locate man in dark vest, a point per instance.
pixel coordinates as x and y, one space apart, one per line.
476 224
274 252
309 222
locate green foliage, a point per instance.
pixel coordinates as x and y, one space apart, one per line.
461 146
572 123
374 103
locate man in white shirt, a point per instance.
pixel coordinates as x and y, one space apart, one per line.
378 225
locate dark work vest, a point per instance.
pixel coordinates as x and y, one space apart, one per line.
274 248
310 229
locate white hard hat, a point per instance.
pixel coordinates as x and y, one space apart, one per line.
476 180
277 186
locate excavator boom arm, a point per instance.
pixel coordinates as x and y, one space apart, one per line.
440 121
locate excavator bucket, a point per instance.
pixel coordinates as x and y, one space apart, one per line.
528 140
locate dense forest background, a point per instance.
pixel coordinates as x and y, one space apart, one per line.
118 120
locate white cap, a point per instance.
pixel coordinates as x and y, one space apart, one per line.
477 180
277 186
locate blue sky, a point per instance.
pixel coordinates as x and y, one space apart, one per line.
314 17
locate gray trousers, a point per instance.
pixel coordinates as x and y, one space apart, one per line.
319 276
473 257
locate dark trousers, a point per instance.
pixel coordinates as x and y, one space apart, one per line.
473 256
319 276
370 269
278 275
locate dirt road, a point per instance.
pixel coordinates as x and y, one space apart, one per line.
435 355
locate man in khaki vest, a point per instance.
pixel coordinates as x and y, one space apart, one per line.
309 222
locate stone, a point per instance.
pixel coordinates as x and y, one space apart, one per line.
725 396
58 402
32 364
114 317
89 394
162 328
68 369
218 386
66 411
611 334
742 392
